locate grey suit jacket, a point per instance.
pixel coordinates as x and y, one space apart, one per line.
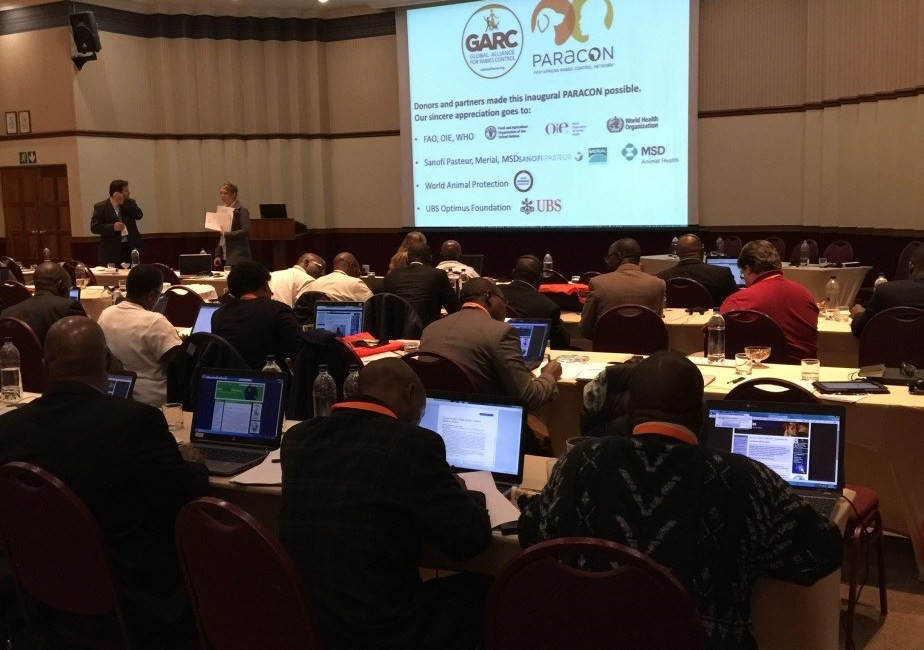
489 350
627 285
237 240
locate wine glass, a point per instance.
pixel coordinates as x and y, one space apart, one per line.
757 353
125 265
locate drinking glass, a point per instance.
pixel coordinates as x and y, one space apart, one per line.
173 413
822 261
811 369
842 315
757 353
742 364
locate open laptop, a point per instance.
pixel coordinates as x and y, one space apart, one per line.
341 318
475 260
237 419
196 264
273 211
803 443
481 432
74 293
731 263
121 384
534 334
204 317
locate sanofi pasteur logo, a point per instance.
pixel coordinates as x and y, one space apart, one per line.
492 41
578 20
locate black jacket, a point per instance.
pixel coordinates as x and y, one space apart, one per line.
898 293
43 310
527 300
110 241
718 280
426 288
257 328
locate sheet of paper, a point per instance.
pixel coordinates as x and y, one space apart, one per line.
220 219
708 379
500 510
589 371
266 473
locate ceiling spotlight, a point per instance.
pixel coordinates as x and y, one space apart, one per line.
323 2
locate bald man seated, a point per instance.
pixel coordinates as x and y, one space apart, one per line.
342 284
288 284
523 295
121 460
362 489
49 303
718 280
451 259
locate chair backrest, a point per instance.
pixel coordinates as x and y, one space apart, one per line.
542 599
13 293
182 305
440 373
732 246
744 327
552 277
168 273
901 268
769 389
212 537
585 278
839 251
389 316
317 347
199 350
31 355
304 306
630 328
779 245
15 271
686 292
893 336
71 265
55 545
796 255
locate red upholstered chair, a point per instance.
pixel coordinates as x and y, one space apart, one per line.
630 328
245 590
552 277
182 305
901 268
893 336
732 246
56 555
440 373
779 245
542 600
15 271
744 327
839 251
780 391
31 355
685 292
168 273
13 293
796 253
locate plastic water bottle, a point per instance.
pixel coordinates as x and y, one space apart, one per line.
879 281
351 384
202 251
271 365
720 247
117 296
832 295
10 372
136 257
46 254
547 262
804 251
324 392
672 251
715 342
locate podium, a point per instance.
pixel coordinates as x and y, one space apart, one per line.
277 231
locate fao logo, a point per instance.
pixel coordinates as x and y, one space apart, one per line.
490 133
615 124
556 128
629 152
492 41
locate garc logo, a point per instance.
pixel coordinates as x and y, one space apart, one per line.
491 43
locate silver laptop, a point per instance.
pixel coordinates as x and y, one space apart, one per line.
803 443
534 334
204 317
237 419
730 263
341 318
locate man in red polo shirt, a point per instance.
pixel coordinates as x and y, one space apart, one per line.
788 303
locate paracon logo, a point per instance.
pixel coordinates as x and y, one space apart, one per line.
492 41
572 19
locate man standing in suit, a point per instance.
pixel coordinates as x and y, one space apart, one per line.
718 280
424 287
625 284
477 338
123 463
898 293
50 302
523 295
115 221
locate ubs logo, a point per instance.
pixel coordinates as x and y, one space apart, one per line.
492 41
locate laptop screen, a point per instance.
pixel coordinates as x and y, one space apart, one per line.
731 263
239 406
480 432
803 443
195 264
533 333
121 385
74 293
273 211
204 318
341 318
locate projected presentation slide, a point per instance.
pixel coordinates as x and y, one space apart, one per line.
538 113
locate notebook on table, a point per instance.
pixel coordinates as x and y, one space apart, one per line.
481 433
237 419
341 318
121 384
803 443
731 263
204 317
534 335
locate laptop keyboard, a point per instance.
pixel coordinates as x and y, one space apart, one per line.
824 505
228 455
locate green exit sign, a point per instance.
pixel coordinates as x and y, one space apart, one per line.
27 158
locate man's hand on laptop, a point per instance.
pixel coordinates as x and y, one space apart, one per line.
553 369
190 453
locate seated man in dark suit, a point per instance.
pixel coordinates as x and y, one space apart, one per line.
898 293
49 303
426 288
362 489
523 295
121 460
718 280
717 520
253 323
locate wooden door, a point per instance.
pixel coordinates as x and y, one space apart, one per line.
36 211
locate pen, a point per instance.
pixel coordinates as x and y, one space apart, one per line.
735 381
277 460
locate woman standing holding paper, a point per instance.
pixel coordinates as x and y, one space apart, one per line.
234 245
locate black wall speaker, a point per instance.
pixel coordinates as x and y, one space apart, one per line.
86 36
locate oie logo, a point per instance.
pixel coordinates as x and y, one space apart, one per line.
492 41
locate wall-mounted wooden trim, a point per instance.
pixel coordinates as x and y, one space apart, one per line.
204 136
816 106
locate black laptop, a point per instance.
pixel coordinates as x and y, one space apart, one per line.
237 419
730 263
803 443
196 264
534 335
273 211
121 384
